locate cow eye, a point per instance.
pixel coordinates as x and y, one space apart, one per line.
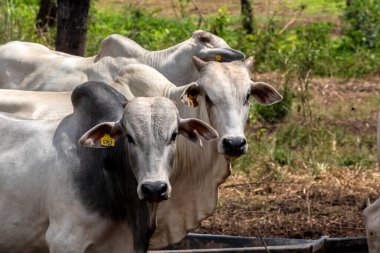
204 39
174 136
130 139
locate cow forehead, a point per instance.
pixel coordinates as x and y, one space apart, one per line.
225 79
150 116
216 41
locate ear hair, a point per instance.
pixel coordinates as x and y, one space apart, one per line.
190 94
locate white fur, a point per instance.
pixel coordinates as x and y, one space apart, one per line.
30 66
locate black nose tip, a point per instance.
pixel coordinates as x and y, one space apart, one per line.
154 191
234 146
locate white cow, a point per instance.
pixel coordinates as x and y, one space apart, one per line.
220 96
31 66
372 212
59 196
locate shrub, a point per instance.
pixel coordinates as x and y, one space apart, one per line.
363 23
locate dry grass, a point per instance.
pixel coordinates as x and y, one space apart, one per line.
300 206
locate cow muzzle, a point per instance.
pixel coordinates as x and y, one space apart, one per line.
155 191
234 146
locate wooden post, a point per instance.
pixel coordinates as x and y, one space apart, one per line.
72 26
246 13
46 16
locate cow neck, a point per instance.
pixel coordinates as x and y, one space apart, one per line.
187 161
197 174
175 63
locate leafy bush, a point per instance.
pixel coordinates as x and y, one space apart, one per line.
363 23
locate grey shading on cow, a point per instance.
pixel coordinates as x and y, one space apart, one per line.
65 197
31 66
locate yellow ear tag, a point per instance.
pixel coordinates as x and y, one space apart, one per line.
218 57
107 141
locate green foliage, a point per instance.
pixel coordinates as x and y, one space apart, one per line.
363 23
139 25
17 22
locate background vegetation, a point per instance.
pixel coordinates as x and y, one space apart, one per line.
315 40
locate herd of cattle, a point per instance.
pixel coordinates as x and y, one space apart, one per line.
123 151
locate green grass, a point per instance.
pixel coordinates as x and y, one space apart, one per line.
322 8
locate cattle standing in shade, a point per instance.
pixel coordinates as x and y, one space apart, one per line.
31 66
64 197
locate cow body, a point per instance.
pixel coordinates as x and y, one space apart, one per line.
59 196
30 66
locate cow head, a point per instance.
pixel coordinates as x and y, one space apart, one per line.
210 47
224 90
149 127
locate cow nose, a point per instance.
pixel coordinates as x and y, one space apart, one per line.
154 191
234 146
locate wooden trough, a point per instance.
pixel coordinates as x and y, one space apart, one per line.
198 243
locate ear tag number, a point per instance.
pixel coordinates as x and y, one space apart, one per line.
107 141
218 57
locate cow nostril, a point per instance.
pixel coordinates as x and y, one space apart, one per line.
154 191
147 190
162 188
243 142
227 142
234 146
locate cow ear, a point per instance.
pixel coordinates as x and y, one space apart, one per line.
190 94
193 129
265 94
249 62
103 135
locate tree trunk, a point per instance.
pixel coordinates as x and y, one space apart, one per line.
246 13
72 26
46 16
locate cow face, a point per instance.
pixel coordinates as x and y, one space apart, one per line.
210 47
224 90
149 127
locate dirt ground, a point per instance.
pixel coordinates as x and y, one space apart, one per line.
297 208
